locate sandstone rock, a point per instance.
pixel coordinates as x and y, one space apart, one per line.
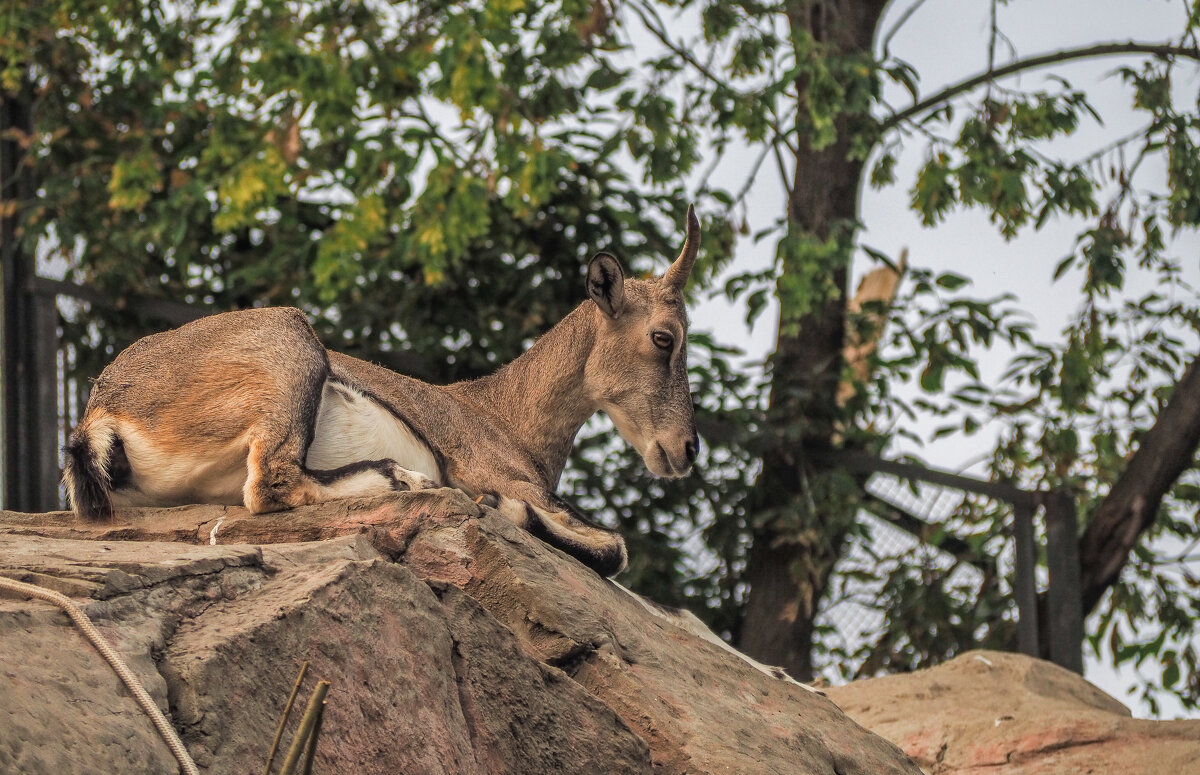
1008 714
423 680
700 710
455 643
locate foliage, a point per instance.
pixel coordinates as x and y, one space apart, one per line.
279 152
427 181
1067 413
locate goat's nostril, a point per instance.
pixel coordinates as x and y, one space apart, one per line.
691 449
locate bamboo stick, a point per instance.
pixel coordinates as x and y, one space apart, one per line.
287 711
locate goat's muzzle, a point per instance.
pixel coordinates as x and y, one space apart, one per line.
672 466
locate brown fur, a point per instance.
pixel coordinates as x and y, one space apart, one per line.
233 400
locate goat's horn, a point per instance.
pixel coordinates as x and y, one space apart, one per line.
677 273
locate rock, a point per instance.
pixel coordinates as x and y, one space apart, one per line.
1008 714
455 643
700 710
423 679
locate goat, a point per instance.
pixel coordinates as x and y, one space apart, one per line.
248 407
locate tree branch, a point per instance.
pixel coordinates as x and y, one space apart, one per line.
656 28
1164 452
1055 57
904 17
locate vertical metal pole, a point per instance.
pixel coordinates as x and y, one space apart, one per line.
1025 580
44 467
16 188
1064 597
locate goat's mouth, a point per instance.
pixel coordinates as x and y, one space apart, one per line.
662 464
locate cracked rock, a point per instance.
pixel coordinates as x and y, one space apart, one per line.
454 643
1004 714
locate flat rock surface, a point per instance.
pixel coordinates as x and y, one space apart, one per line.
454 643
993 713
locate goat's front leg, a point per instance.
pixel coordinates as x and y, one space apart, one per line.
276 480
553 520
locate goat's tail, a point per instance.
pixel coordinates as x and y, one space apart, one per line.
86 471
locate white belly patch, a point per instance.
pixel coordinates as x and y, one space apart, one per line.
352 428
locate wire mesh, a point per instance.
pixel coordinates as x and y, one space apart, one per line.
851 615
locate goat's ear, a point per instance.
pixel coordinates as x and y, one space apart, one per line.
606 284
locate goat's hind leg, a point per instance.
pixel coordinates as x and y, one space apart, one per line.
277 477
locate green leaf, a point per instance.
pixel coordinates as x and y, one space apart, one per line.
933 194
951 281
884 171
1063 266
931 377
1170 675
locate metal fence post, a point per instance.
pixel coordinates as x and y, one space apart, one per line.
1025 580
1063 598
44 467
17 399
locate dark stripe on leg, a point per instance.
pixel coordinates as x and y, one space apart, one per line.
561 505
605 560
330 476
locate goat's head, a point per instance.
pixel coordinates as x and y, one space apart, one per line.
638 365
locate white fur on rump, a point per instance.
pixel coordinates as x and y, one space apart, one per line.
176 478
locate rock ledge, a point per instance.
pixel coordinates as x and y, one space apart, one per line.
455 643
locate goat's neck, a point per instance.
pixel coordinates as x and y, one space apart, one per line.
542 396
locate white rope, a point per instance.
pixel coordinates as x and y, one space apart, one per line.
118 664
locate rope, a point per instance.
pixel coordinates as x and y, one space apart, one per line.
118 664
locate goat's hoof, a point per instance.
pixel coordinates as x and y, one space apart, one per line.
404 480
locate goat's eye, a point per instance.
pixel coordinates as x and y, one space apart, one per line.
662 340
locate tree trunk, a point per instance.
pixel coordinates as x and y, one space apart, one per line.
801 537
1164 452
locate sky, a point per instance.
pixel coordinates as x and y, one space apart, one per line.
947 41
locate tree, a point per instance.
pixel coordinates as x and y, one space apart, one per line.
267 153
427 181
801 81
